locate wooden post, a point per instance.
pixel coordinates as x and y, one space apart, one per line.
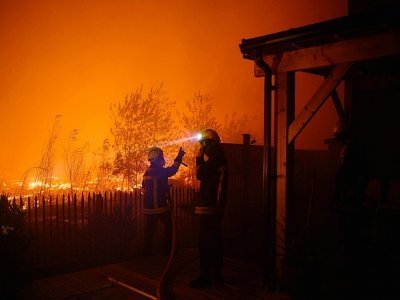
284 112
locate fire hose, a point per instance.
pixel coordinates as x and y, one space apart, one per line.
164 273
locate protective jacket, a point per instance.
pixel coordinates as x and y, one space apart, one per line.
156 188
213 176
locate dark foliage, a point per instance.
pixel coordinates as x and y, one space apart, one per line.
13 243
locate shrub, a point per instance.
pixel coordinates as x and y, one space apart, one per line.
13 241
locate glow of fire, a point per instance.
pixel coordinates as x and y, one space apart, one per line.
35 184
38 184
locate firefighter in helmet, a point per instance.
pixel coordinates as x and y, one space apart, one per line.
211 171
157 196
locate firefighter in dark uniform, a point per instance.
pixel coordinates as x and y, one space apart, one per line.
211 170
157 197
351 186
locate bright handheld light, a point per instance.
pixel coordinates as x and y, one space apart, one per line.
195 137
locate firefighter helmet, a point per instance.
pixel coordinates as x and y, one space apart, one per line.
155 153
210 134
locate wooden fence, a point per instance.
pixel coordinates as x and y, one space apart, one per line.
95 228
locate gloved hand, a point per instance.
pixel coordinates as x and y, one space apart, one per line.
180 155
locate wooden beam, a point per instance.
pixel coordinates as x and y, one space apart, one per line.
334 96
284 112
337 104
316 101
357 49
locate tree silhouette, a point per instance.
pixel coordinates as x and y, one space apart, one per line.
45 170
197 116
103 167
75 159
139 122
42 175
234 127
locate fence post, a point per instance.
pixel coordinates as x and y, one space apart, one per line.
130 203
245 183
121 196
140 219
75 238
36 215
99 207
44 237
90 228
44 215
83 214
105 203
29 214
63 225
69 225
57 226
111 201
126 201
50 217
115 200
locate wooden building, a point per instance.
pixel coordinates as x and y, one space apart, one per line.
362 50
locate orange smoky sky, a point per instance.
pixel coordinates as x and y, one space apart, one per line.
75 57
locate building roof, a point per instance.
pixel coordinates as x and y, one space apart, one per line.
339 29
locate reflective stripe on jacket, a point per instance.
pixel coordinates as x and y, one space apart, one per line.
213 176
155 211
206 210
156 188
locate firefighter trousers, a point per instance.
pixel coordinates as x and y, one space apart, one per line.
150 227
210 246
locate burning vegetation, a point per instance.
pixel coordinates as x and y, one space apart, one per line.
142 120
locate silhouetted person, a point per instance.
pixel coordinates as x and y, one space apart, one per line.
212 172
351 184
157 197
